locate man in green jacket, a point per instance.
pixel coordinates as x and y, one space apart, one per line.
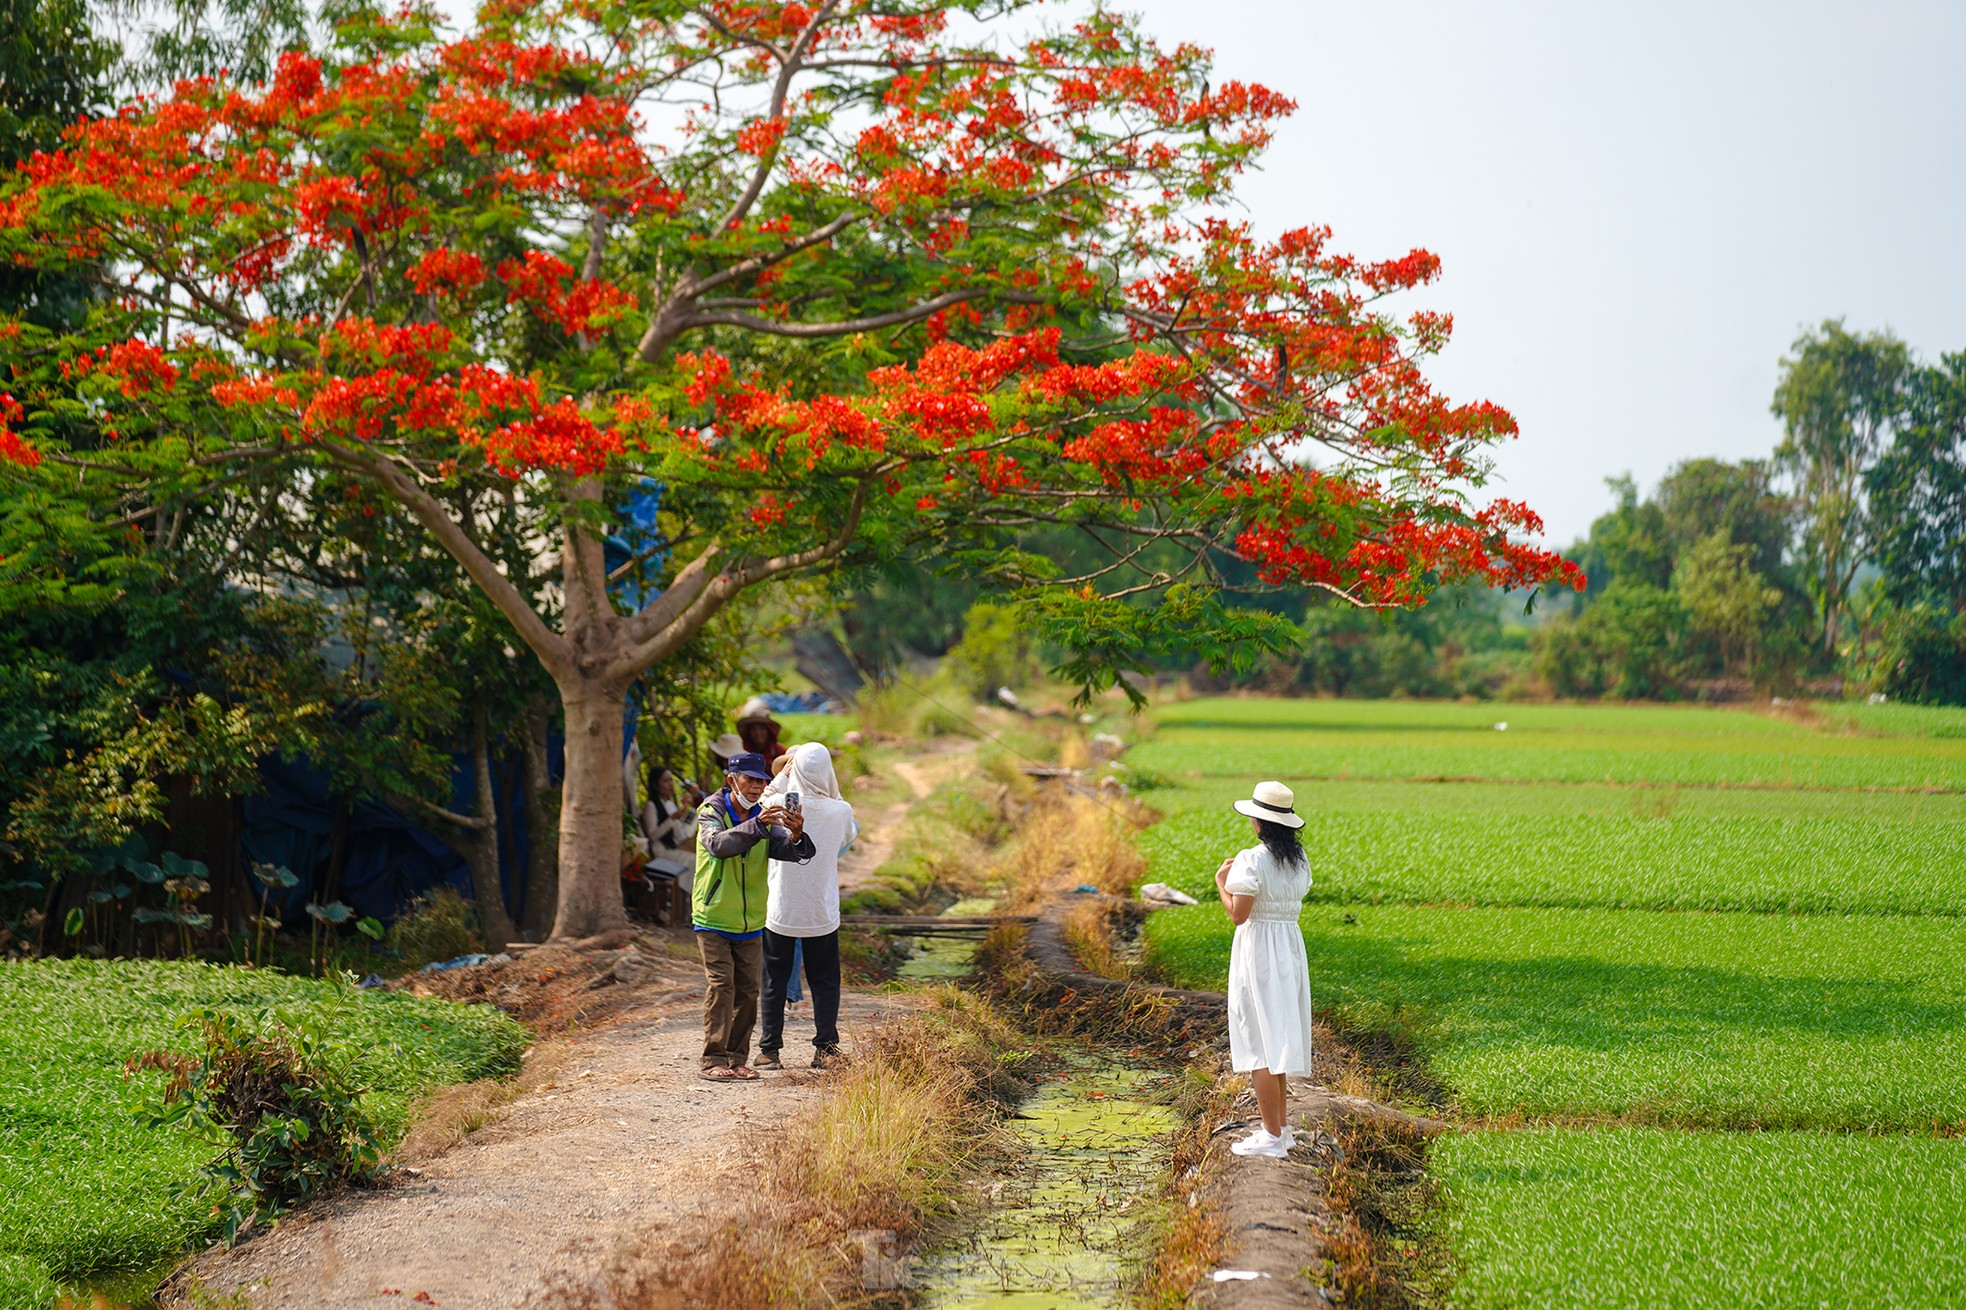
735 843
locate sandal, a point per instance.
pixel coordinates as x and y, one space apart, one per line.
719 1073
745 1072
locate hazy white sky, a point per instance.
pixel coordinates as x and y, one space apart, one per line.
1638 205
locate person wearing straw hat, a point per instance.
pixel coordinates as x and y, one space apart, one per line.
1262 889
759 730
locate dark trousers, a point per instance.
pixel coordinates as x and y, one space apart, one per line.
822 961
730 997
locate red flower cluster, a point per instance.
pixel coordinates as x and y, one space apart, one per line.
449 272
137 366
12 448
541 281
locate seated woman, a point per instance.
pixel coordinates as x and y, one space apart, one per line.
668 822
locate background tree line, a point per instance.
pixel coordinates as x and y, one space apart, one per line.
1836 566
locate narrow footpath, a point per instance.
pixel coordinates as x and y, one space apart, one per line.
616 1143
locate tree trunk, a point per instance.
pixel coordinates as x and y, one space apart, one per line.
481 845
590 812
542 822
475 838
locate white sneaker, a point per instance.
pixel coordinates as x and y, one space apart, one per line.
1262 1143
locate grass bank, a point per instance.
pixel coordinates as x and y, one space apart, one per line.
85 1192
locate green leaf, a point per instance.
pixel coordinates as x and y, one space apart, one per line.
274 875
73 923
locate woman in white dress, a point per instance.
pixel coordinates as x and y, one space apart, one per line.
1262 889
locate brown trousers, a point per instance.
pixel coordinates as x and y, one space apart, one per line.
732 971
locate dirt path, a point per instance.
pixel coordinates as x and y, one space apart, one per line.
625 1141
619 1142
880 827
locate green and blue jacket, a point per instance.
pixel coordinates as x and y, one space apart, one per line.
734 848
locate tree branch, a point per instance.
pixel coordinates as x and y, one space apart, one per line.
548 645
845 327
675 617
788 68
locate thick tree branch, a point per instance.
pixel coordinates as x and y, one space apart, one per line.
788 69
548 645
845 327
654 635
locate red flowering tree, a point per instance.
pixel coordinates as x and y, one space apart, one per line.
846 279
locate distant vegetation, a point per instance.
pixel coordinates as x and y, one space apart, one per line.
1837 566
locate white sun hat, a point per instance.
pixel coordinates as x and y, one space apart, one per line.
1273 803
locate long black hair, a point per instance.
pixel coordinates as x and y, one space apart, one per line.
663 809
1282 843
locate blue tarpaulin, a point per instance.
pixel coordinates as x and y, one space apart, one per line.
388 859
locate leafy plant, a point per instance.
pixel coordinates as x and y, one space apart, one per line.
322 939
274 1094
269 877
184 881
440 926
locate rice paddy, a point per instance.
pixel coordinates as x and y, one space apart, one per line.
1718 955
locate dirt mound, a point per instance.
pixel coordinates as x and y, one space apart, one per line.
553 988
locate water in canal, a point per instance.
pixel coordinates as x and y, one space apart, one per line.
1065 1216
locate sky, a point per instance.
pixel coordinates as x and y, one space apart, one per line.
1638 206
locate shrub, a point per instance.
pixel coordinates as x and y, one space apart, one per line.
1922 657
995 651
274 1095
440 926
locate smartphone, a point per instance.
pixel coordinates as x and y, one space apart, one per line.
792 801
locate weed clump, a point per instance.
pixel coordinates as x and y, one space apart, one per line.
886 1151
439 926
276 1097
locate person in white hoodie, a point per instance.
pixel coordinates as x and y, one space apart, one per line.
802 908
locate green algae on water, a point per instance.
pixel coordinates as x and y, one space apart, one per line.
1061 1230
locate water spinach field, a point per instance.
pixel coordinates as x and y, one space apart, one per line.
1694 979
91 1199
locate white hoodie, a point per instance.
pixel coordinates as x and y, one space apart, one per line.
804 899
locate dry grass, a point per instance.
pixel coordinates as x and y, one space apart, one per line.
1190 1243
1385 1249
1091 929
1339 1067
1067 839
887 1148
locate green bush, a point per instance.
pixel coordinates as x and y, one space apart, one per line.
995 651
440 926
1923 656
273 1093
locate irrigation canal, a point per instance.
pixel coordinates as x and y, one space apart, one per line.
1064 1225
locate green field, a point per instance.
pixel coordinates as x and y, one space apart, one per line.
1697 919
84 1191
1636 1219
1622 847
1661 745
